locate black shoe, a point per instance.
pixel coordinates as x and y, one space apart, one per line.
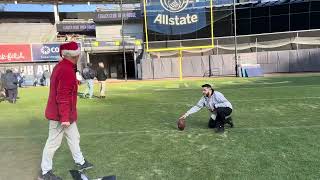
231 124
229 121
49 176
84 96
86 165
212 123
220 129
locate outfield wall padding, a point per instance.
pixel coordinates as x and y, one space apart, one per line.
304 60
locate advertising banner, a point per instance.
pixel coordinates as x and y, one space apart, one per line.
74 27
46 52
116 16
177 23
15 53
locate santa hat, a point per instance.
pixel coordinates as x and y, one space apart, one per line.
70 49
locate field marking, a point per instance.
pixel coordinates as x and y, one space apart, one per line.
188 104
225 89
197 131
236 100
248 100
285 98
237 88
258 99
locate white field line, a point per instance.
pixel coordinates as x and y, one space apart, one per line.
150 132
248 100
235 100
237 88
227 89
188 104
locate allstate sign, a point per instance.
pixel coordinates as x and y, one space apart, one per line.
45 52
176 17
174 5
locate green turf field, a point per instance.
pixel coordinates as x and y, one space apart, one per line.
133 135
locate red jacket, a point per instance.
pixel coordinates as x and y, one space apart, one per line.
62 101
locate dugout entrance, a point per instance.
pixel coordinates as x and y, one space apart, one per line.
114 63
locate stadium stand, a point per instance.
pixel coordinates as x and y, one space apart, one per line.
26 32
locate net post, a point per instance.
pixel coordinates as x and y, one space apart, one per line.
180 64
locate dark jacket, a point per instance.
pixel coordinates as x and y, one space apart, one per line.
62 102
11 80
2 81
88 73
101 74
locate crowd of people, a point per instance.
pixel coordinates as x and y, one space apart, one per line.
12 79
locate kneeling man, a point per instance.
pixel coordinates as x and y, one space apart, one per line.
217 104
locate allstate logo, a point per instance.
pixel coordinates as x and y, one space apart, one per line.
174 5
45 50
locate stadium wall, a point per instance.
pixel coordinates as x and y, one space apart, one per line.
290 61
110 32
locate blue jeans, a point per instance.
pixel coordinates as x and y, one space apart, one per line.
47 81
89 89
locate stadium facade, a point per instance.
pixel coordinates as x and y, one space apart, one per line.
281 36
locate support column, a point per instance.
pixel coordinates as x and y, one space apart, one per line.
56 13
135 63
235 38
88 57
123 43
180 64
217 47
298 41
257 50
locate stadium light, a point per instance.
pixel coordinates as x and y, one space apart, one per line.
89 3
15 2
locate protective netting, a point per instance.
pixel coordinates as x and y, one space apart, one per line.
252 43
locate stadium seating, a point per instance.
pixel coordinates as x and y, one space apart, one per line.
26 32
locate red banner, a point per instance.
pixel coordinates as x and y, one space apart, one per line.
15 53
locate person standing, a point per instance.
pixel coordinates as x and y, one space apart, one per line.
88 73
21 78
61 111
46 77
102 77
2 81
11 86
2 87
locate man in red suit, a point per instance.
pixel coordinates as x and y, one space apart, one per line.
61 112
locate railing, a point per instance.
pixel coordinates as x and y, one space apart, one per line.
51 36
112 42
77 21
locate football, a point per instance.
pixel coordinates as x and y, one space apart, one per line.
181 124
